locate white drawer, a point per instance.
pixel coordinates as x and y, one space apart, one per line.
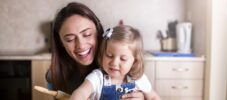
181 98
179 87
179 70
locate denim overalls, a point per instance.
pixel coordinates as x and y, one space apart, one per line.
114 92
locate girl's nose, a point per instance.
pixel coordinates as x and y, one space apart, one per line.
114 62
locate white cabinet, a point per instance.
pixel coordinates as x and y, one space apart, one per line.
176 78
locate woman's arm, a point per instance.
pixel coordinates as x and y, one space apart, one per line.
151 96
139 95
83 92
155 96
136 95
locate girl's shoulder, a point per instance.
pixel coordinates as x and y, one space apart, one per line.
143 83
97 71
96 79
96 74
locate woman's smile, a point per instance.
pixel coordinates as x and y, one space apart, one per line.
84 53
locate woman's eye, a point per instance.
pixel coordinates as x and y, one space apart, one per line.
108 55
87 35
69 40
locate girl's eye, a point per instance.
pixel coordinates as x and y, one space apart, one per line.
123 58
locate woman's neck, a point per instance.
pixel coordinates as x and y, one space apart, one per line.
84 70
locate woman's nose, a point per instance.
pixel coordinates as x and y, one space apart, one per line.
80 43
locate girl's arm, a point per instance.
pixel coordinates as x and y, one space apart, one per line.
83 92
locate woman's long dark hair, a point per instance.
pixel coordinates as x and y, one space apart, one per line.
62 65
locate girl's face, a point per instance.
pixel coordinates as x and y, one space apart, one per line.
117 59
79 35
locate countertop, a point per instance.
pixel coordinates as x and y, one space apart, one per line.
147 56
154 58
43 56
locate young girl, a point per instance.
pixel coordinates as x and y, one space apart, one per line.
122 67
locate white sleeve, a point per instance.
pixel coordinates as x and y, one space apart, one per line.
96 79
144 84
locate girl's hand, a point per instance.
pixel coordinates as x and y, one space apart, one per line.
136 95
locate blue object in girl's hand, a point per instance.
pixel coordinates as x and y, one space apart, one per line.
114 92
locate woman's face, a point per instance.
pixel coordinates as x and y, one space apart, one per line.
79 37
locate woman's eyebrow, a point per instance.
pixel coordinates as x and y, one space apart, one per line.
71 34
66 35
84 30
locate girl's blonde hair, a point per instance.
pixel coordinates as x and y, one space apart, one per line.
127 34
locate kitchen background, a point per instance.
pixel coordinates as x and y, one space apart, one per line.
25 25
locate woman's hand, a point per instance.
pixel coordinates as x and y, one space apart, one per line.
136 95
139 95
155 96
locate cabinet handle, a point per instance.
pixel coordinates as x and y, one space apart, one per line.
179 87
180 69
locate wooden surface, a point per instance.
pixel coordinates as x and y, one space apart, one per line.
39 68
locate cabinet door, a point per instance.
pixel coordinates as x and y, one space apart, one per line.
181 98
39 69
174 88
179 70
149 69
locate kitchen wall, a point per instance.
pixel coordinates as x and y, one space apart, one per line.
196 12
25 23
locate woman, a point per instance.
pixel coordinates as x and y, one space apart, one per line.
75 38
